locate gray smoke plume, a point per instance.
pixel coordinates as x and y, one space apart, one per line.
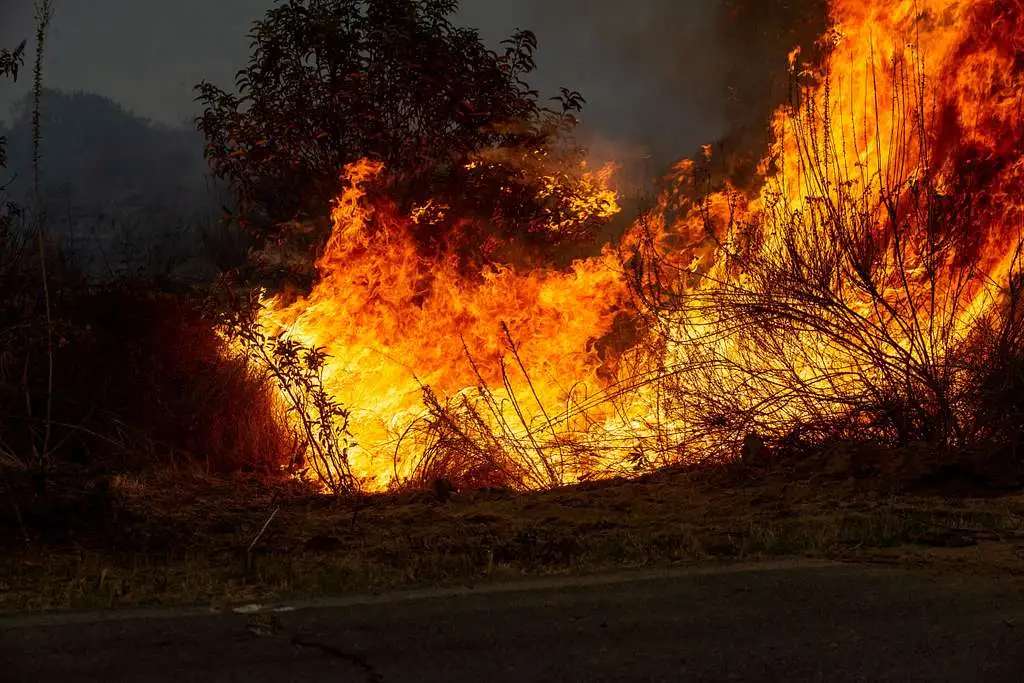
663 77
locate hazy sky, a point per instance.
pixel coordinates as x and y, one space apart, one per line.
649 68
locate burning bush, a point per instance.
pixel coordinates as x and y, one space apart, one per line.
456 188
393 321
870 288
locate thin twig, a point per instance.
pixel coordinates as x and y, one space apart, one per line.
259 535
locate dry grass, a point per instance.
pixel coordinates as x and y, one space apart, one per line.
144 380
173 538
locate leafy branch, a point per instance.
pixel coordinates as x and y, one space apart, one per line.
320 420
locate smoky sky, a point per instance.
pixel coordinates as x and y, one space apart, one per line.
651 70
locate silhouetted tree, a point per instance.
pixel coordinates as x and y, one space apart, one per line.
332 81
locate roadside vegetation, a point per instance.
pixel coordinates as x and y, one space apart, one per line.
843 398
167 538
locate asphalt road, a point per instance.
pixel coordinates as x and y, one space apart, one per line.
830 623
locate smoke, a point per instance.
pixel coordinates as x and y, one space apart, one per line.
15 26
649 77
144 54
663 77
15 22
759 35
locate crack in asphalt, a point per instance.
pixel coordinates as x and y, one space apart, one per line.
372 675
268 624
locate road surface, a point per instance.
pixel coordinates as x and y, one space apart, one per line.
783 622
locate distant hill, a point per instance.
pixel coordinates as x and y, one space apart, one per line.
114 185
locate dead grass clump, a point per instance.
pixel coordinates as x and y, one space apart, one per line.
144 381
152 371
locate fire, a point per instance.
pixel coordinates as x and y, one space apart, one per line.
887 232
839 253
394 322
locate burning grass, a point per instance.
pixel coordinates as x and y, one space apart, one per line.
875 281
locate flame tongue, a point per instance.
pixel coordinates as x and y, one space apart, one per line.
394 321
916 92
926 87
887 231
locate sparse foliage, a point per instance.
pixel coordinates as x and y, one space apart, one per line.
44 14
486 438
10 65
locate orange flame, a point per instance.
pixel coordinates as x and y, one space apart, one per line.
394 321
912 91
919 93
